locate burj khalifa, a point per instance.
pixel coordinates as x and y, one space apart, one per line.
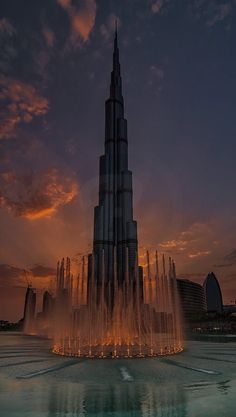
115 244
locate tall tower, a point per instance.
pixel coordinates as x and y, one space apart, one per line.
213 293
115 245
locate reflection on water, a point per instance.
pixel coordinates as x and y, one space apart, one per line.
105 388
140 399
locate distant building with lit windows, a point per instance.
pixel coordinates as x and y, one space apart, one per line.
192 297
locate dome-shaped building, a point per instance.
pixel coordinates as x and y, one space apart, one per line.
213 293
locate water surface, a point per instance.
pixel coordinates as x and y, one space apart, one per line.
200 382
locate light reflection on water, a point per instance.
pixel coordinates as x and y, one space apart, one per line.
121 400
61 398
90 389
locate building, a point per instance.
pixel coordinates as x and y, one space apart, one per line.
47 305
213 294
115 244
29 310
192 297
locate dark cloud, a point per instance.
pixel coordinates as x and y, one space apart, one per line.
212 12
10 273
219 13
7 45
6 28
42 271
228 260
36 195
19 277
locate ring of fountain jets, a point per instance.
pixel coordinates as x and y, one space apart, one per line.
143 319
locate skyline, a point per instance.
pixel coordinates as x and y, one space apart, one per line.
55 68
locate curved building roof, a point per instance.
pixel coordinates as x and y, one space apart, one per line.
213 293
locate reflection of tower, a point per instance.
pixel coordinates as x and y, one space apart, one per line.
115 242
213 293
144 399
29 309
47 305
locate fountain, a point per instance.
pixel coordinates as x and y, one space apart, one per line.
86 324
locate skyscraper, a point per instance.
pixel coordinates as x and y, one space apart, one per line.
29 310
213 294
47 305
115 244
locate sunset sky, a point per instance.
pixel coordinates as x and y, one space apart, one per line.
178 66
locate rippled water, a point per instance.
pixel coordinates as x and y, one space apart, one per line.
201 382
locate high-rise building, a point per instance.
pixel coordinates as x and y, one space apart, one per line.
192 297
213 294
115 244
47 305
29 309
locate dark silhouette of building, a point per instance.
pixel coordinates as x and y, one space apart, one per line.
192 297
115 244
29 309
47 305
213 294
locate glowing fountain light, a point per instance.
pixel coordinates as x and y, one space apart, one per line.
85 324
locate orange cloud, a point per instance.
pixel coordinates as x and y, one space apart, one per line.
20 102
64 3
82 18
174 244
34 196
199 254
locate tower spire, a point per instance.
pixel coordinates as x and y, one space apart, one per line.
116 32
116 83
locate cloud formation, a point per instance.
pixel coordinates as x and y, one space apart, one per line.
10 275
42 271
212 12
7 45
49 36
20 103
14 276
6 27
228 260
82 17
36 195
199 254
157 6
219 13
